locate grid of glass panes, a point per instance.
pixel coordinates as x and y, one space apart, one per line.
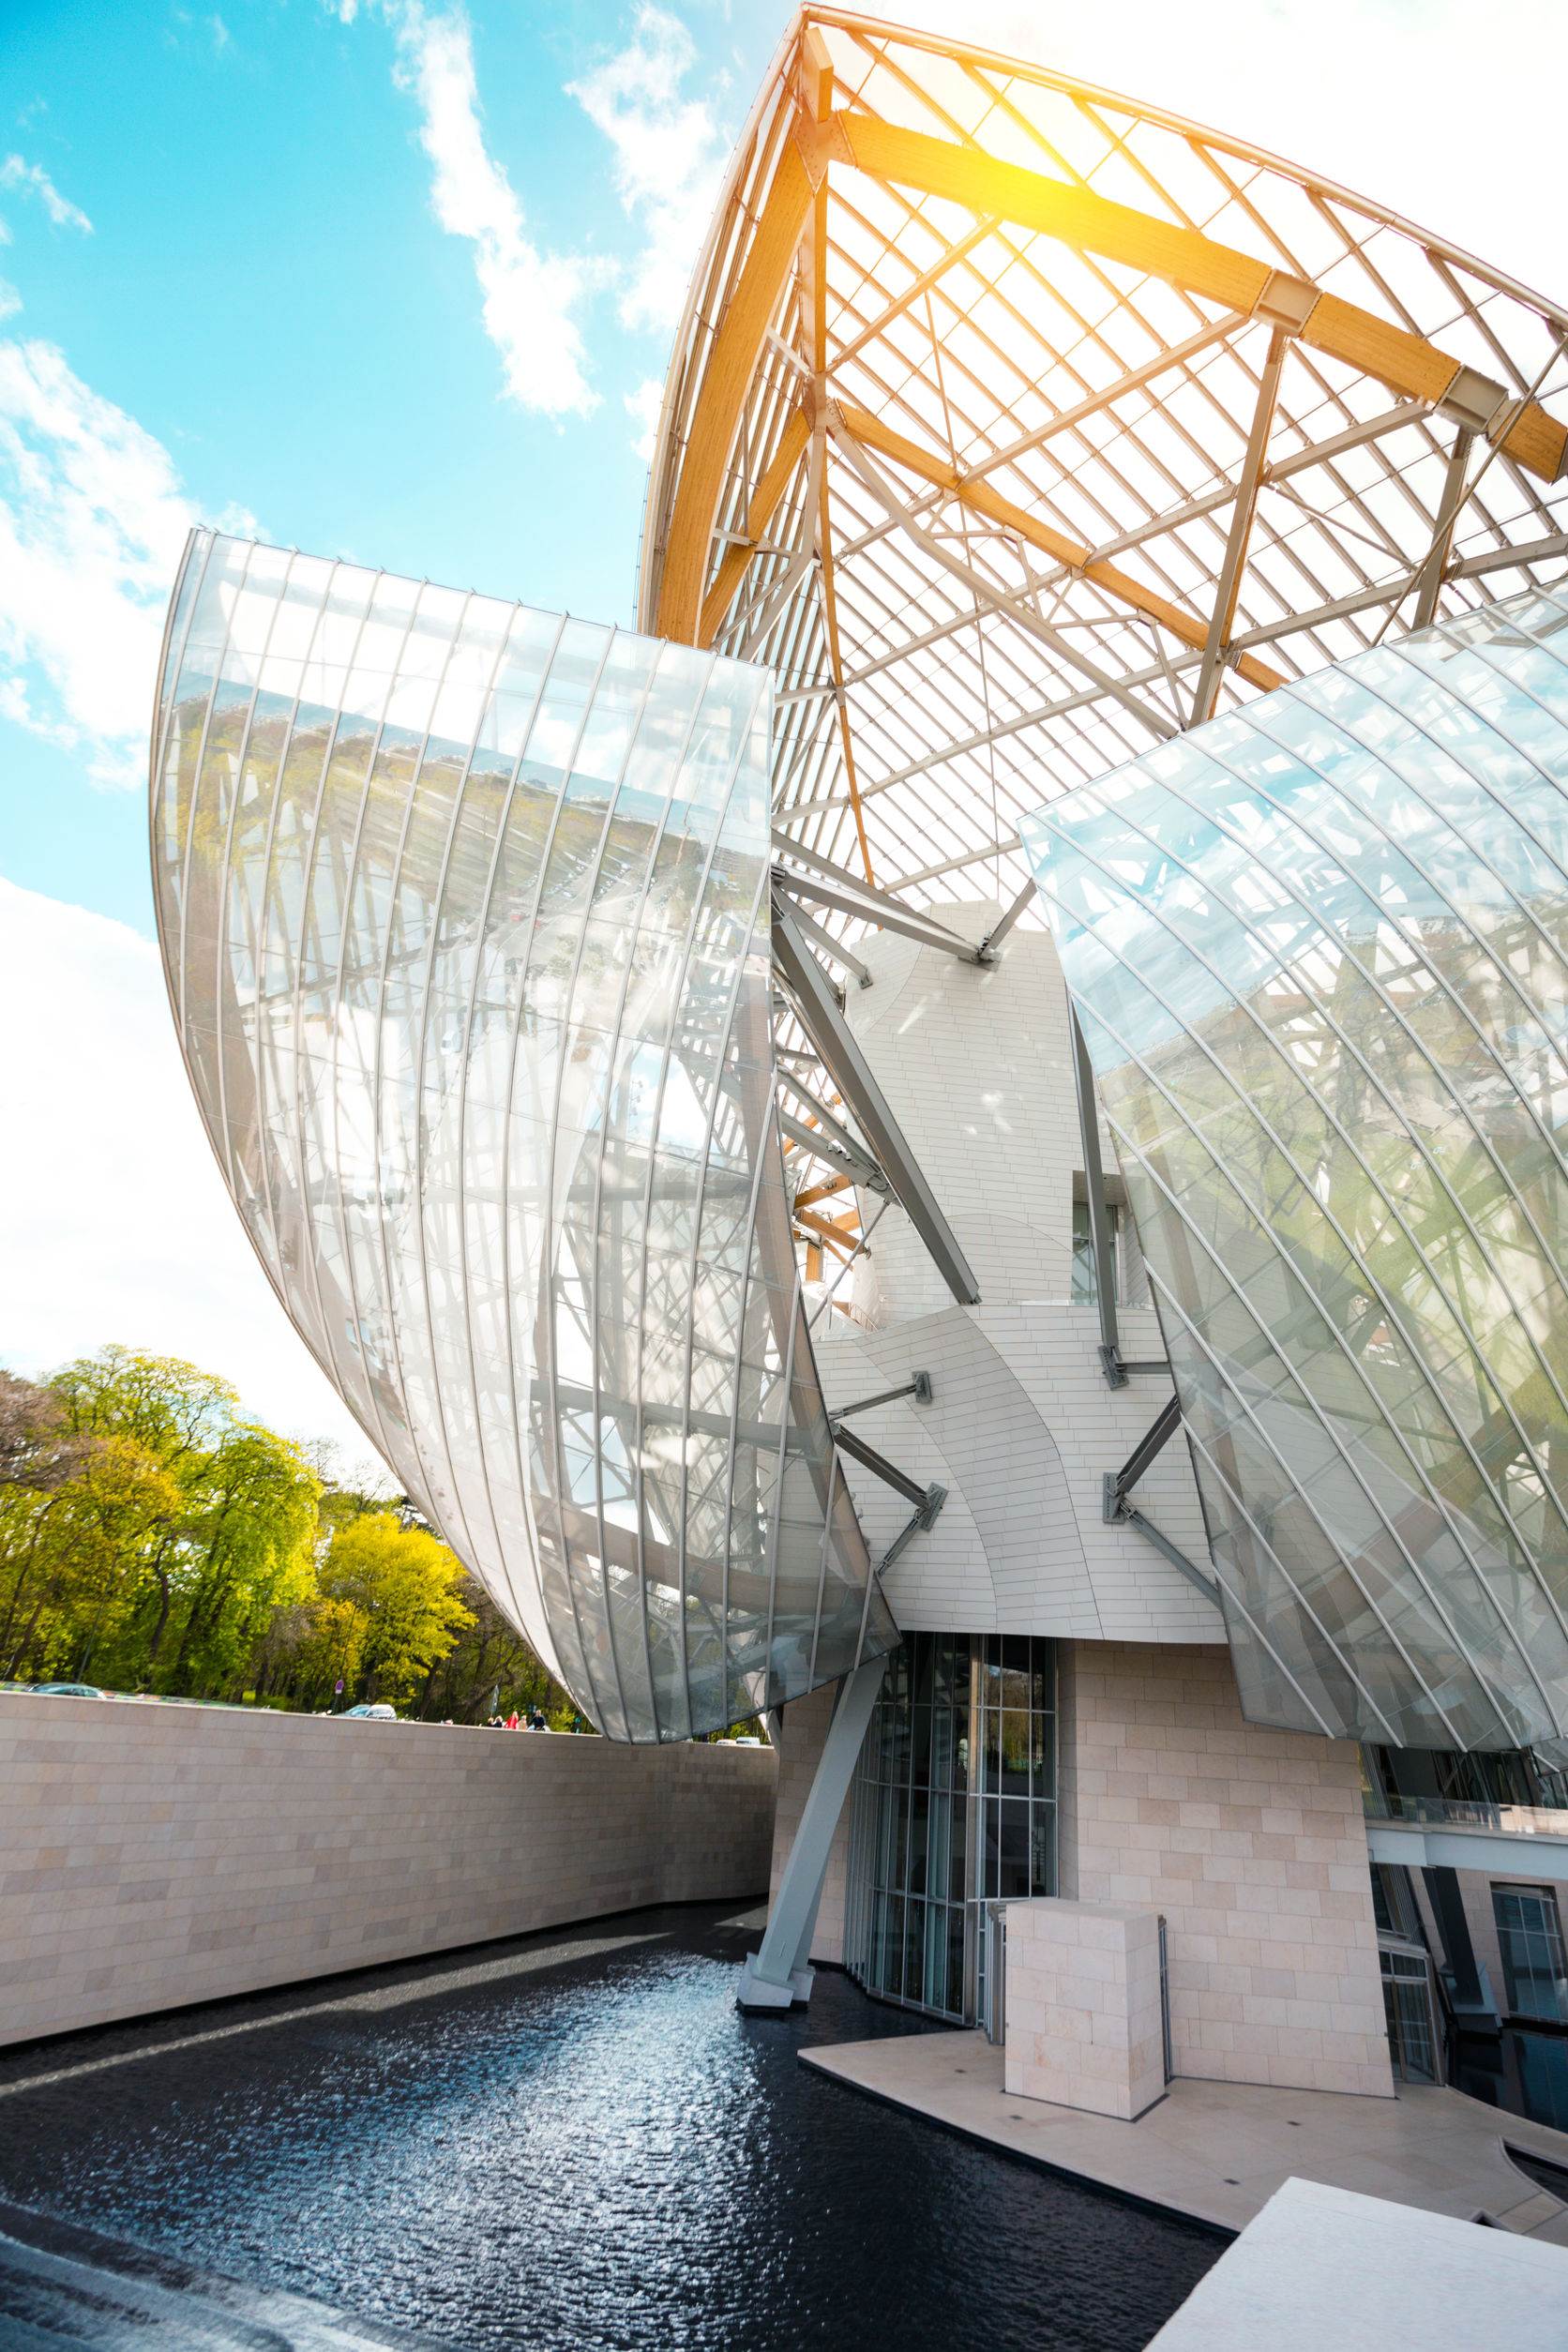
954 1804
1412 2040
1535 1968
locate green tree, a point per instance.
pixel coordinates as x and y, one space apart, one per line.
491 1662
404 1581
179 1532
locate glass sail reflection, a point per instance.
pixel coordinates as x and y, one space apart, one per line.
1319 954
463 909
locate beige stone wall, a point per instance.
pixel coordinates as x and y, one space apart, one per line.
153 1856
1251 1843
1084 2021
803 1729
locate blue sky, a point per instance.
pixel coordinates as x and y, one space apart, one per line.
397 280
268 292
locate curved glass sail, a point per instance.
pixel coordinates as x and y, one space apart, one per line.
463 909
1319 954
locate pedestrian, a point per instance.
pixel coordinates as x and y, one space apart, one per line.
512 1720
537 1721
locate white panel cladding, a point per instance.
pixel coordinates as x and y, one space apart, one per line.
1023 1427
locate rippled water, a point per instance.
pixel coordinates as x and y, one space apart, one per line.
580 2142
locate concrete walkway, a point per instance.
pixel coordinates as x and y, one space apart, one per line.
1217 2151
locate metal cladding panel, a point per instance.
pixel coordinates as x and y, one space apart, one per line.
1319 953
465 914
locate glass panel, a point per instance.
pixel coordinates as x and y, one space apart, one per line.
465 910
1529 1935
1320 951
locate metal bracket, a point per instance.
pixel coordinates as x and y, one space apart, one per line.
986 952
1117 1511
919 1388
872 906
926 1517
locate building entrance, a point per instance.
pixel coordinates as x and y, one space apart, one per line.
953 1804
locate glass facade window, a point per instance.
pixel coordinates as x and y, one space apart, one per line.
954 1803
1540 2063
1319 951
464 913
1408 2007
1535 1968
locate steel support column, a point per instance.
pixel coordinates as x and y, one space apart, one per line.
1100 1237
780 1975
1443 530
1229 588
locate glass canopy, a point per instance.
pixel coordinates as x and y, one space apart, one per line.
1319 954
464 913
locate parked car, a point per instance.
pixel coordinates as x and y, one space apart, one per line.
67 1690
371 1714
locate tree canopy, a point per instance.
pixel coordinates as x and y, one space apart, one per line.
153 1537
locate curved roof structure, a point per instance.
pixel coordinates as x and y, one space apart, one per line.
464 913
1319 954
1018 426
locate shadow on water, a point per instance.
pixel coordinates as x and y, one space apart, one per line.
577 2141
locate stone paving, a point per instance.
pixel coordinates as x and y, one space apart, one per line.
1217 2151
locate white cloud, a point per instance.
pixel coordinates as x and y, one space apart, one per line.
643 407
92 521
115 1223
670 156
529 296
33 180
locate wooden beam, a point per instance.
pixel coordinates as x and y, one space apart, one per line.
820 1192
816 75
1183 257
982 498
794 443
726 377
834 1229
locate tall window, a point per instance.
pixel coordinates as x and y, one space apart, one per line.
954 1803
1534 1969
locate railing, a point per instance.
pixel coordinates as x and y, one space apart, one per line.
1463 1813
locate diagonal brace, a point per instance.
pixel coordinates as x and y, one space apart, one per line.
878 1464
919 1387
824 1024
1118 1484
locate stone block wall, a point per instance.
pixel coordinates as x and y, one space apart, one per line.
1252 1844
153 1856
1084 2026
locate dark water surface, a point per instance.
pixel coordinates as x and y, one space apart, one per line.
577 2141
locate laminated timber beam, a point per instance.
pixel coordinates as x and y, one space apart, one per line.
792 444
1408 364
726 379
1200 266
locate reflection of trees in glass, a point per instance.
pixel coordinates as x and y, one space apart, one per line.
1327 1019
